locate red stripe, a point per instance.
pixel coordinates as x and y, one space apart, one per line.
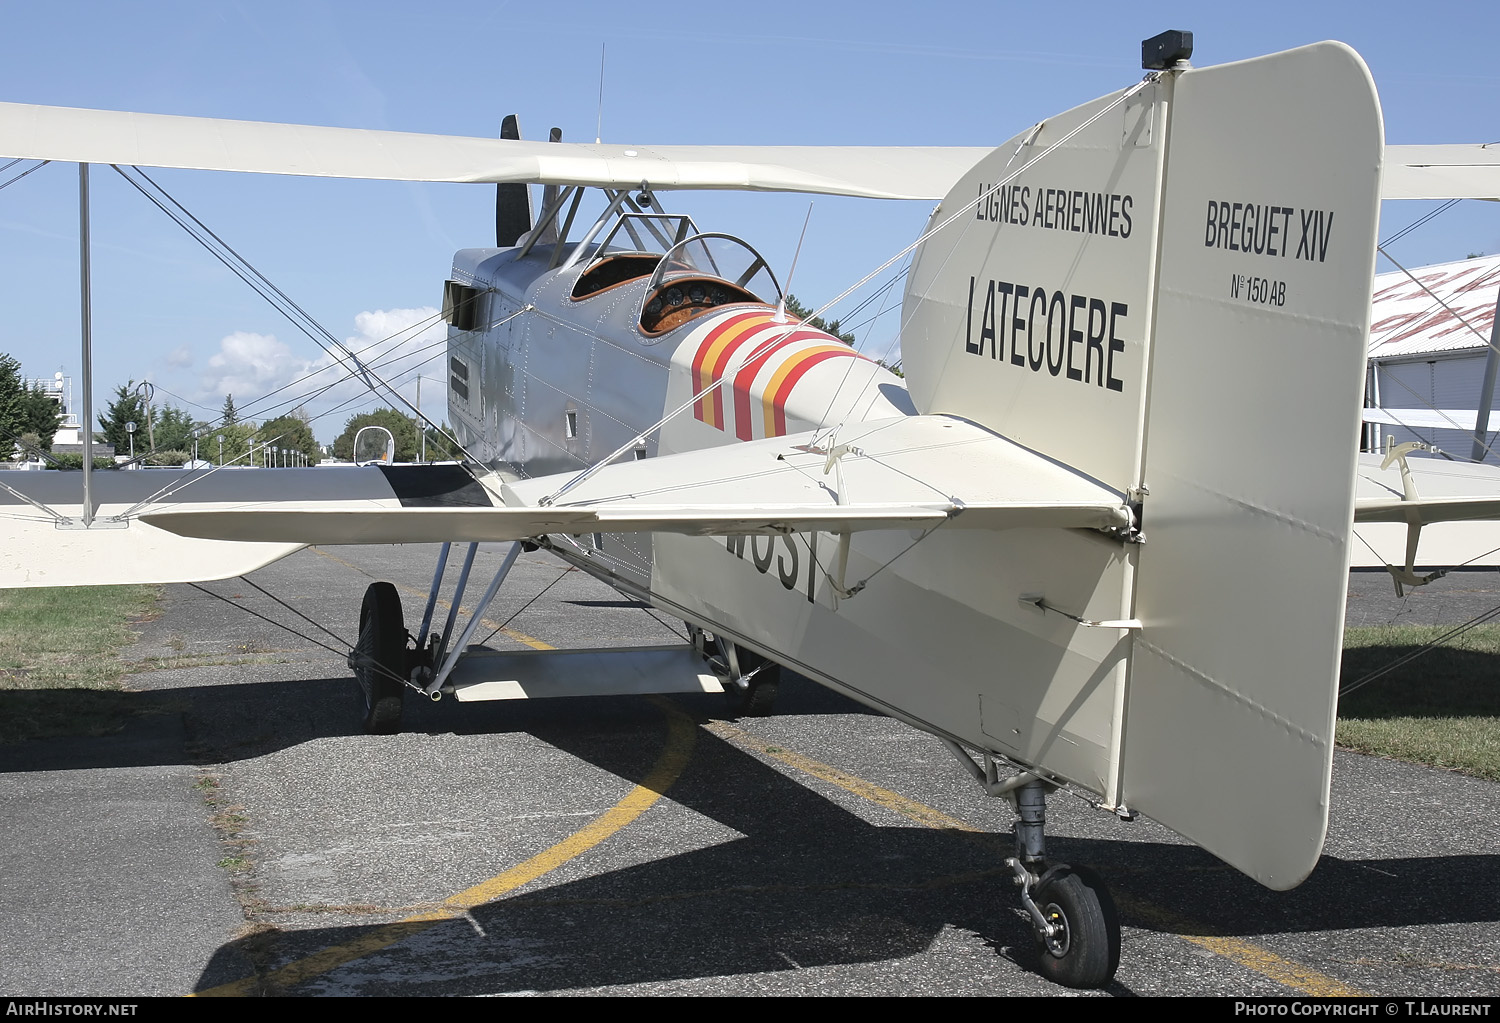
725 354
743 427
703 346
778 400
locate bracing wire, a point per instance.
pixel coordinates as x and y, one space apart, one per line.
1453 633
769 342
246 271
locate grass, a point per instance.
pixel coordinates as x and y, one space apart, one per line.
60 664
1441 709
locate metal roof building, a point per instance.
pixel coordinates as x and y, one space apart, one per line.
1430 358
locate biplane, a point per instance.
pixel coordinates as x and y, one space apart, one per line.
1048 544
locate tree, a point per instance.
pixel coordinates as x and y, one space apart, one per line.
173 429
403 428
237 440
12 400
40 414
442 445
128 407
804 314
230 415
24 409
288 433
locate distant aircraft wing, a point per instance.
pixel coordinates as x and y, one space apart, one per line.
1457 504
1446 492
910 473
1441 172
1426 418
76 135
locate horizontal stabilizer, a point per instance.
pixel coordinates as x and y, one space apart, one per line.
32 132
435 525
909 473
44 540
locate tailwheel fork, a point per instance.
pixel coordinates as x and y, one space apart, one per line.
750 681
1072 914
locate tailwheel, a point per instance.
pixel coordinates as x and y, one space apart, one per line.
758 698
1081 947
753 693
379 659
750 680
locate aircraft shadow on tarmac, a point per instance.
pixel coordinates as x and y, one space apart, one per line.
808 883
240 720
812 884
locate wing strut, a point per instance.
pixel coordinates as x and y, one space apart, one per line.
1407 576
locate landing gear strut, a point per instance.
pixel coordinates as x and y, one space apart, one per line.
750 680
1077 928
1072 915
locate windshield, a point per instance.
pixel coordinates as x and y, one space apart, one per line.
724 256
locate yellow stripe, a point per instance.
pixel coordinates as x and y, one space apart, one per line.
894 801
681 737
709 372
1252 957
772 396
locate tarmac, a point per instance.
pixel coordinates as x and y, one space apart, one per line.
240 834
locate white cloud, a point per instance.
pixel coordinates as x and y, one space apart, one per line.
397 344
180 357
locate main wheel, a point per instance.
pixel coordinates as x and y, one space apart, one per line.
1084 950
380 659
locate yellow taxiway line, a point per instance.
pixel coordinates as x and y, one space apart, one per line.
682 735
1252 957
682 732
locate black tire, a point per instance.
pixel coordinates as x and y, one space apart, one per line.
1086 951
759 700
380 659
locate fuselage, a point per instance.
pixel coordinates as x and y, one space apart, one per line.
564 368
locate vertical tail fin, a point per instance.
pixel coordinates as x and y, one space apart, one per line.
1168 289
1257 374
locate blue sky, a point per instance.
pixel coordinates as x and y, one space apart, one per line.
366 258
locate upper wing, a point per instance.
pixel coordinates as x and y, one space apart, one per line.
77 135
34 132
910 473
1441 172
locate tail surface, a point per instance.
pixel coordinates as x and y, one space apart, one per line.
1128 288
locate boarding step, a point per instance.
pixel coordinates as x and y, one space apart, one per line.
535 674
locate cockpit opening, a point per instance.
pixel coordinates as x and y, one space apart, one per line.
690 272
609 271
703 272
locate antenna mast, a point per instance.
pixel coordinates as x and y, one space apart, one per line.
599 125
